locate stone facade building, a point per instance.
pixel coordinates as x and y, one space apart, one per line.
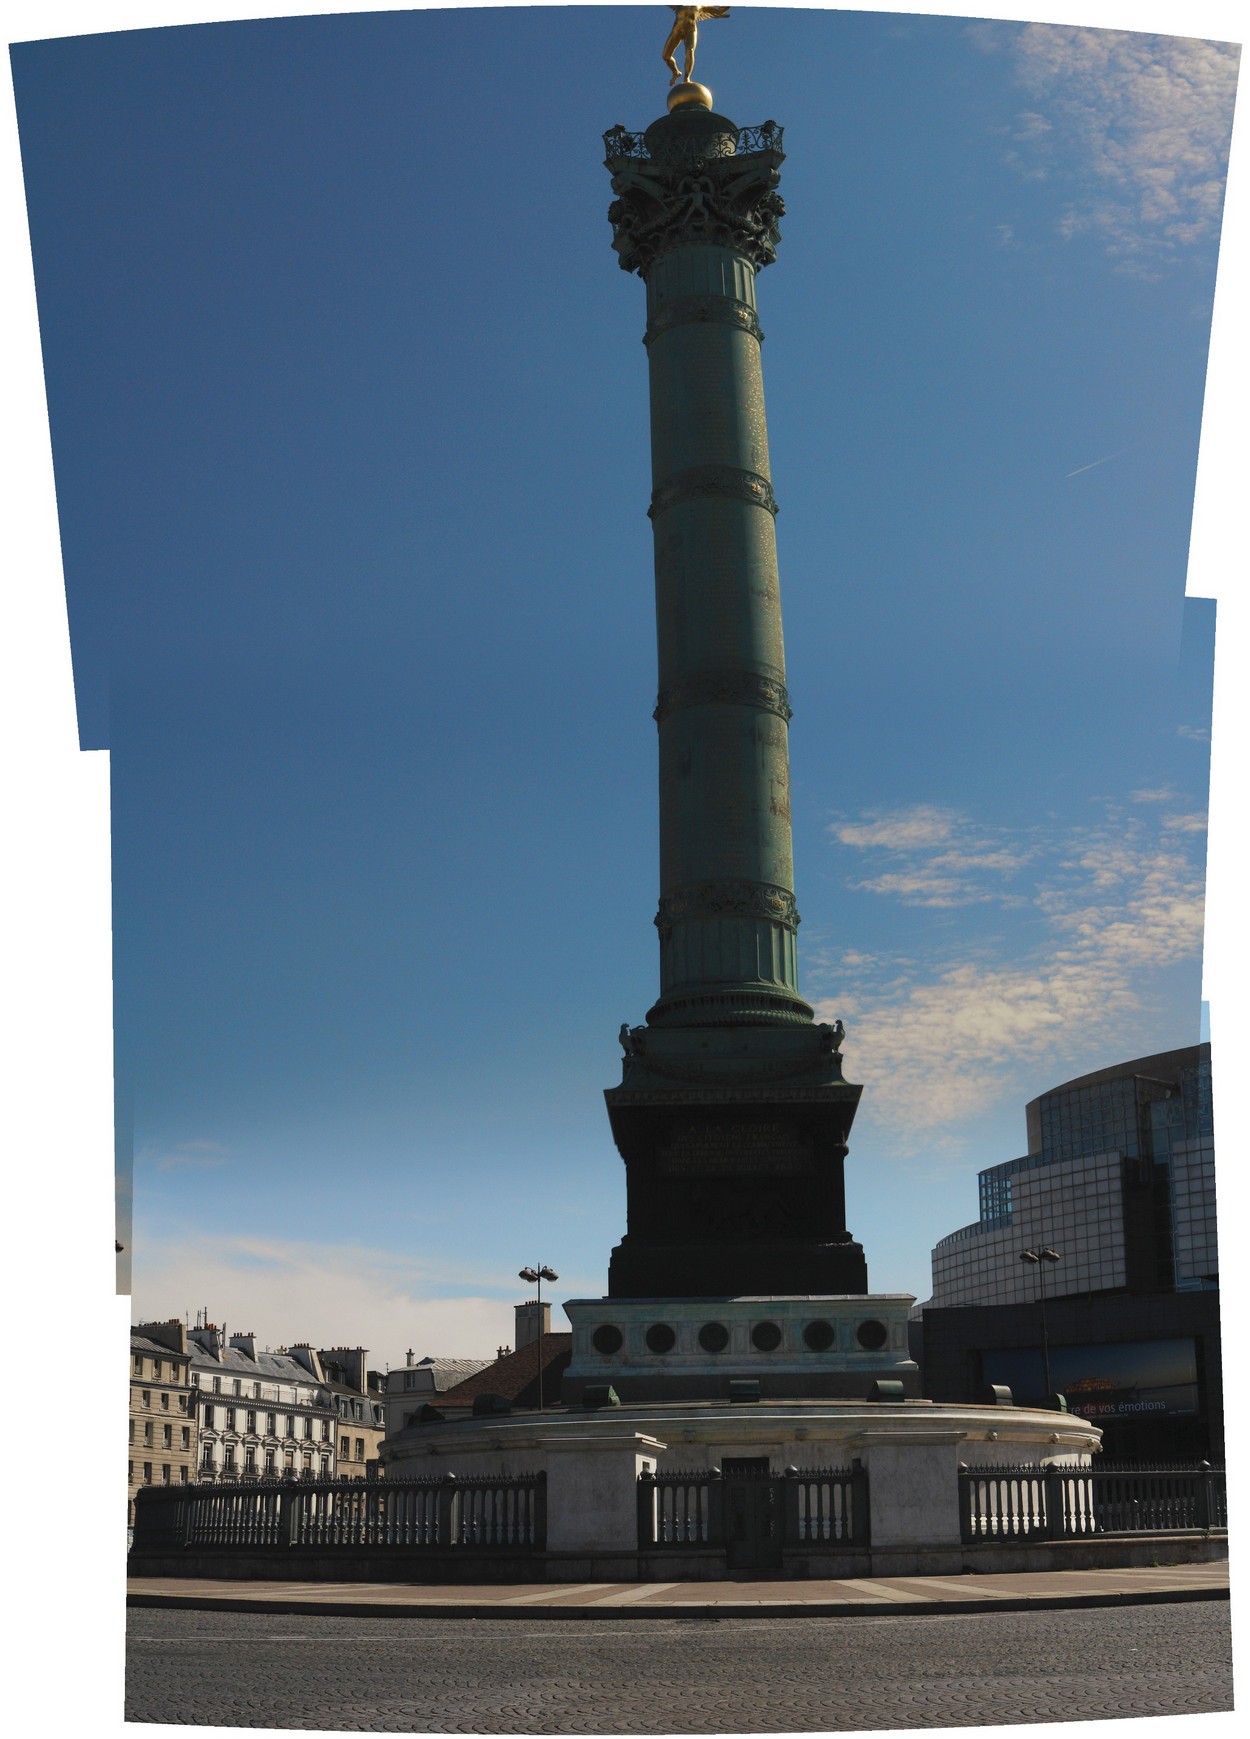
358 1396
162 1416
261 1413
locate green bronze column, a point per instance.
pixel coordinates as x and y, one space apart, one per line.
732 1114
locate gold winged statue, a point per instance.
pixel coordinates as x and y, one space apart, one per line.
686 30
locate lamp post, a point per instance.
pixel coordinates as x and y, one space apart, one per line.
536 1276
1040 1258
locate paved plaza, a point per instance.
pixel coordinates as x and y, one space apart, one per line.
686 1670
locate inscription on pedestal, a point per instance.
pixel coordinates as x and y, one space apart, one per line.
720 1148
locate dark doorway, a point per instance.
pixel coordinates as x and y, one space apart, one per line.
752 1501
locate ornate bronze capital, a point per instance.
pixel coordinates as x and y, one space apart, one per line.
695 187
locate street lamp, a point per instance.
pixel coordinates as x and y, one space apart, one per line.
536 1276
1040 1258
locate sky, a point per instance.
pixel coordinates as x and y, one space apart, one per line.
348 417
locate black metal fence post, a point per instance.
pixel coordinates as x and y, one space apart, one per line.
646 1509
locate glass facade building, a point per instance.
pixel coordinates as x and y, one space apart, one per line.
1120 1179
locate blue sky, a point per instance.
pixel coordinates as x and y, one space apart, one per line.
348 412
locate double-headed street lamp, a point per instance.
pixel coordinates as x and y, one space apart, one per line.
536 1276
1040 1259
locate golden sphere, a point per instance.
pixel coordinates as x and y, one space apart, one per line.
687 96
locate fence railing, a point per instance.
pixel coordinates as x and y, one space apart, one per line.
619 142
1065 1503
818 1506
468 1513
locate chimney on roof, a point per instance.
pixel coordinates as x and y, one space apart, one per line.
245 1343
354 1362
166 1334
527 1321
409 1356
303 1354
502 1352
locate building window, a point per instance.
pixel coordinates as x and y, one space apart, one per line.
230 1426
146 1397
210 1418
249 1461
217 1385
325 1431
271 1425
238 1387
360 1449
251 1421
288 1461
156 1369
165 1401
130 1470
186 1437
182 1476
325 1466
132 1430
343 1448
290 1424
147 1473
138 1365
195 1379
308 1427
182 1403
256 1391
147 1430
165 1473
206 1460
307 1463
168 1436
269 1460
230 1458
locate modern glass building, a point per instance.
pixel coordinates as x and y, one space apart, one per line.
1120 1177
1119 1183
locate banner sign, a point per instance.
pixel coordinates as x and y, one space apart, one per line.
1105 1384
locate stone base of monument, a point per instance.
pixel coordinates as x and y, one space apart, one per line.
611 1472
672 1349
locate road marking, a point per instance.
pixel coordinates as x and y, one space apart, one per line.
866 1585
642 1592
552 1591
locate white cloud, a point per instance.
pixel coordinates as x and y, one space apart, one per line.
1138 125
900 830
937 1047
329 1294
1196 823
920 876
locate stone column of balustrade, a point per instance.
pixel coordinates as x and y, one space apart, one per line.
696 216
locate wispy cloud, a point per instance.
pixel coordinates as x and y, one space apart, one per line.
934 857
185 1156
1136 125
329 1294
939 1042
1095 463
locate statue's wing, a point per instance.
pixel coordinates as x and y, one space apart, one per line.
711 12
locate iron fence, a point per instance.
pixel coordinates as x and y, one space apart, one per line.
678 1510
447 1512
1067 1502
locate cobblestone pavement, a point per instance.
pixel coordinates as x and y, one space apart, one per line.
679 1675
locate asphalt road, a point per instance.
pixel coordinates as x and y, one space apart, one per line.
684 1675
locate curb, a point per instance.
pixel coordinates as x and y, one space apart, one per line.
276 1604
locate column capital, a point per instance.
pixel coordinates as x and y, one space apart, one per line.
695 180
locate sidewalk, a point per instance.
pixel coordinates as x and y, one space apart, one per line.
910 1596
